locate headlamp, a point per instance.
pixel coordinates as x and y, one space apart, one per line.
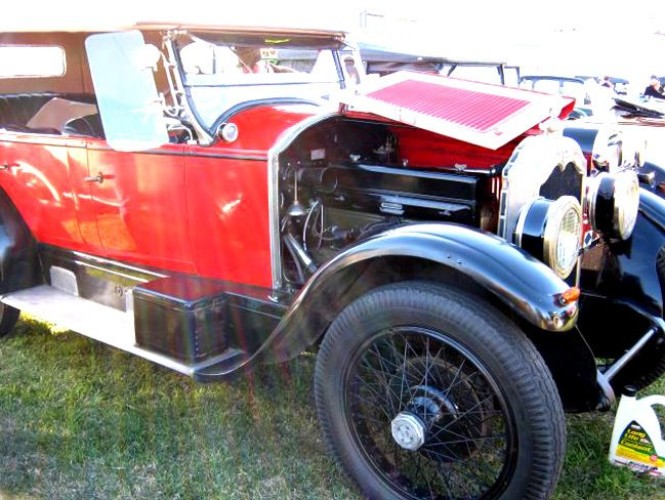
552 232
613 201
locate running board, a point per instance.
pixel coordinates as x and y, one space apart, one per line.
104 324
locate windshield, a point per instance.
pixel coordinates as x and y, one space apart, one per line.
222 72
121 65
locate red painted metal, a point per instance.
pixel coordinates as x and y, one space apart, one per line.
37 179
489 116
139 205
182 208
260 126
227 196
425 149
230 233
477 110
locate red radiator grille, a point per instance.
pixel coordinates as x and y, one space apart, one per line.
477 110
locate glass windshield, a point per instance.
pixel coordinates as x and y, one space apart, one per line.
125 89
223 71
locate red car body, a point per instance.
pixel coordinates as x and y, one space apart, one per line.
211 197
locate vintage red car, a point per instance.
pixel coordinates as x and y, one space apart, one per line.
210 197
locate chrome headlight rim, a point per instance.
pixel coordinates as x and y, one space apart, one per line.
541 227
613 201
558 215
607 150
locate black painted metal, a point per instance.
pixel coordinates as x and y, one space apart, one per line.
652 177
627 271
185 318
412 194
566 182
524 284
585 137
189 318
19 263
533 232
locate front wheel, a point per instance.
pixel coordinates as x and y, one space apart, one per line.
424 392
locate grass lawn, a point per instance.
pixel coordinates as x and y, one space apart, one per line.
79 420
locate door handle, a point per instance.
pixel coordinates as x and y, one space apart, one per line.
95 178
8 166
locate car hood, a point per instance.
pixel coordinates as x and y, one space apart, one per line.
482 114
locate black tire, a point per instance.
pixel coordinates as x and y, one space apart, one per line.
428 358
8 318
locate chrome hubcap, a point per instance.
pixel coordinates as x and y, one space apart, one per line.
408 431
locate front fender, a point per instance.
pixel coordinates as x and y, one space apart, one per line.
524 284
652 178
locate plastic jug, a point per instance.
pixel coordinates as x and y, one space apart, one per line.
637 442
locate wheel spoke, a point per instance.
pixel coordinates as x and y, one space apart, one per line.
463 415
423 411
464 449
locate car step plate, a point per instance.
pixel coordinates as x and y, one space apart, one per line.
102 323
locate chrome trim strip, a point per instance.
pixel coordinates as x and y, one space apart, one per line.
282 144
117 273
107 265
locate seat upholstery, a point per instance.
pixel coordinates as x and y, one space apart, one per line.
17 109
90 125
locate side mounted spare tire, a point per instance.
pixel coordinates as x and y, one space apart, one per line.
426 392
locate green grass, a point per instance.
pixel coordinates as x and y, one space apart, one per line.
79 420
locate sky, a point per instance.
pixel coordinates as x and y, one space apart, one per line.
561 36
516 17
567 37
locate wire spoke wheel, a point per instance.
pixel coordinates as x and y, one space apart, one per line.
444 425
424 392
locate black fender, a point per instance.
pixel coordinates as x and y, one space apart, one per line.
652 177
585 137
623 283
19 264
525 285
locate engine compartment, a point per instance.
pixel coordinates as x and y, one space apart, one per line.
344 180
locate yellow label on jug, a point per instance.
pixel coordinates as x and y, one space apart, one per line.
637 441
635 445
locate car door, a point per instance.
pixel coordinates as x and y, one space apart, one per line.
135 176
139 204
36 172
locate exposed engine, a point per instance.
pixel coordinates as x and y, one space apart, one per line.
342 184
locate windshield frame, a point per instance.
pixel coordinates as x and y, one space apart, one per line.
213 95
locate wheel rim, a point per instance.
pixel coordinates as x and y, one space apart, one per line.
428 416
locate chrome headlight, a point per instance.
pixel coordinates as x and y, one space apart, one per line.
613 201
607 154
552 232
